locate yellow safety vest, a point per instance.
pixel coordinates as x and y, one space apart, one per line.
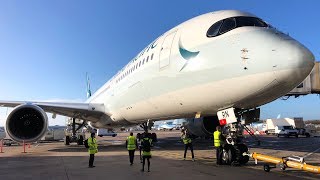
131 143
216 138
145 153
186 140
93 146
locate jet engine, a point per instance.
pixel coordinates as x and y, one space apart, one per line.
27 122
203 126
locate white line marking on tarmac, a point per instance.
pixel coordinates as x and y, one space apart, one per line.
309 154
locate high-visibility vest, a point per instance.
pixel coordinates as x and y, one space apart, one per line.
145 153
186 140
216 138
93 146
131 143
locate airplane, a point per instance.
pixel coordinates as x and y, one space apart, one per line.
167 127
213 69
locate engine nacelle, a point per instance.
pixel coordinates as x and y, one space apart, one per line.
27 122
202 127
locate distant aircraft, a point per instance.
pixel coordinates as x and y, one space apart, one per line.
167 127
213 69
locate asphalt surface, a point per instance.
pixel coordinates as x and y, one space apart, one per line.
56 161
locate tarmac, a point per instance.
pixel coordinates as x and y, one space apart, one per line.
54 160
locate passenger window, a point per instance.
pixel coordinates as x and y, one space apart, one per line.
214 29
139 63
151 56
228 24
143 61
147 59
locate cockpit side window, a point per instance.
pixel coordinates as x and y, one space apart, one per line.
214 29
229 24
250 21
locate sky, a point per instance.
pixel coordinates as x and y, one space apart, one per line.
46 47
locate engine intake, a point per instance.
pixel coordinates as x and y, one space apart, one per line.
27 123
202 127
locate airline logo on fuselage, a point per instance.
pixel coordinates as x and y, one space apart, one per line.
187 55
150 46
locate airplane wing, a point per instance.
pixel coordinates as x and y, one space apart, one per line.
86 111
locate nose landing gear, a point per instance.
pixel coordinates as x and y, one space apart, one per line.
146 127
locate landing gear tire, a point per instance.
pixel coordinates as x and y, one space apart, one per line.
67 140
154 137
266 168
282 166
228 154
139 136
80 140
242 148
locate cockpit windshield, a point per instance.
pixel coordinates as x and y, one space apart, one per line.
229 24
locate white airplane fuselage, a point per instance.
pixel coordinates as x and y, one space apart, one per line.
188 72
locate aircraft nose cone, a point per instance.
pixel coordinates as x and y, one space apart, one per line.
300 57
295 63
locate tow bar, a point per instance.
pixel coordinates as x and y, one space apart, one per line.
284 162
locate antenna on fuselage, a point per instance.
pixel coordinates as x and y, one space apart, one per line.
88 86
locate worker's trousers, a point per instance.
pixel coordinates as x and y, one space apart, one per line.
219 155
186 148
91 159
131 156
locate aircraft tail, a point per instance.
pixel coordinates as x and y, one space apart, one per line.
88 86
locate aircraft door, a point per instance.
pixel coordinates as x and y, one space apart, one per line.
165 51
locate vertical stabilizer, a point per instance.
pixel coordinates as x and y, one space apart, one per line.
88 86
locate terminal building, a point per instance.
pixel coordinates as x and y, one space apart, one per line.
311 85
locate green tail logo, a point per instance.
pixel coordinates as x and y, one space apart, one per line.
88 86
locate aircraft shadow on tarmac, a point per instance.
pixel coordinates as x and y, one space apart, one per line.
306 145
107 145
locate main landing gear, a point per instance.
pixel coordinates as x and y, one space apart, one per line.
72 133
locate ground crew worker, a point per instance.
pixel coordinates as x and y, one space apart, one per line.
93 148
131 144
146 144
217 141
187 141
140 145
